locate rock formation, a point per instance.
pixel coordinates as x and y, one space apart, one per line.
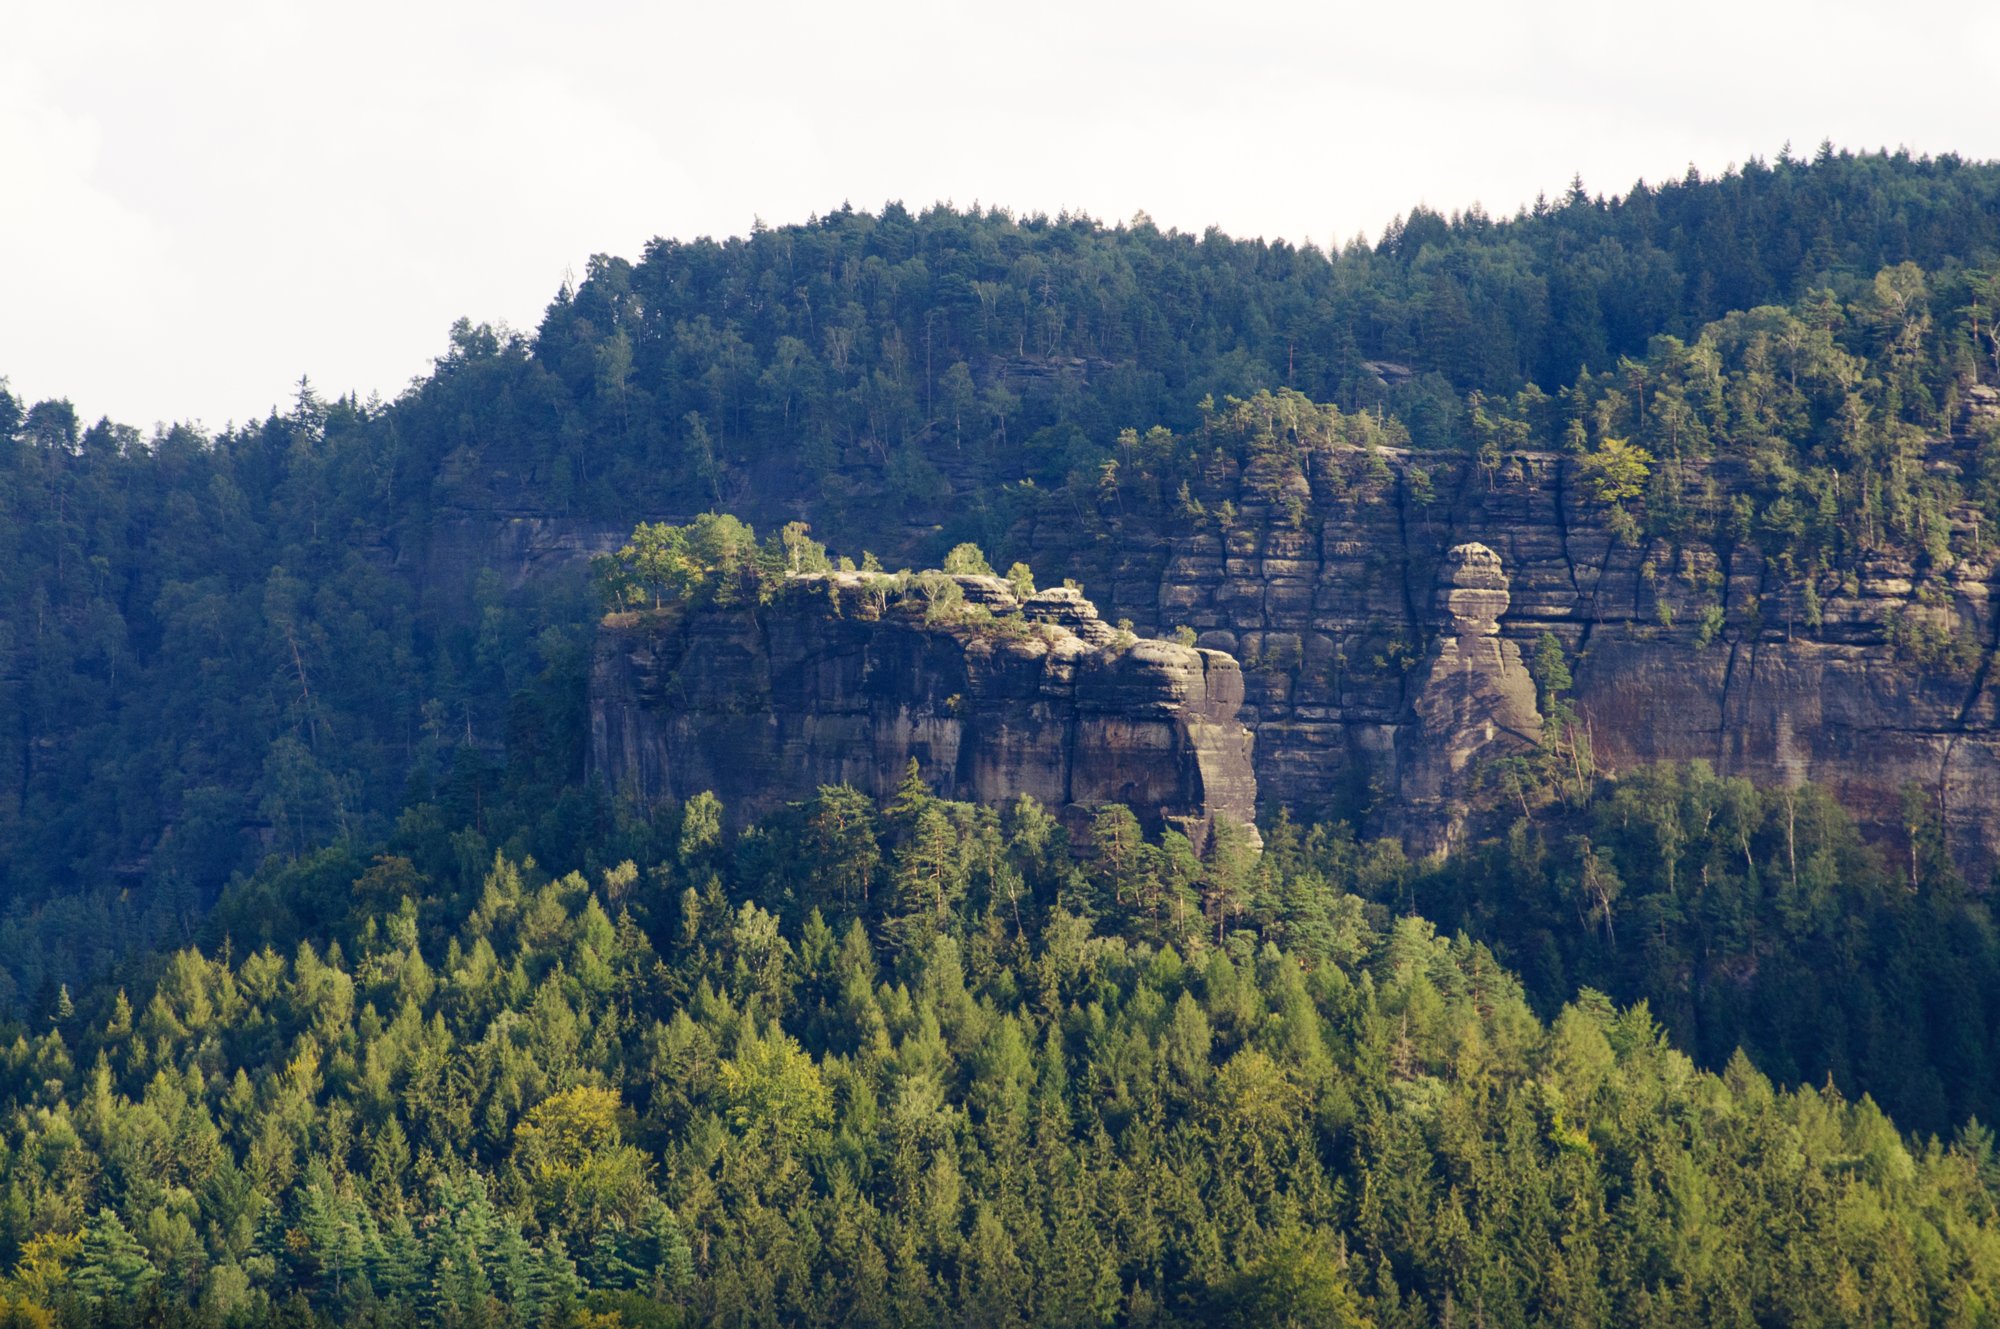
844 677
1320 585
1473 701
1876 678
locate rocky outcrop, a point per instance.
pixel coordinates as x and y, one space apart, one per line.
1365 691
847 677
1473 702
1370 700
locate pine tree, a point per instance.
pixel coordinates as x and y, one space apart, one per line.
112 1266
928 879
609 1262
671 1259
397 1265
840 836
553 1286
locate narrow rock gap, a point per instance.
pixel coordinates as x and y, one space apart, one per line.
1722 707
1589 620
1409 599
1964 719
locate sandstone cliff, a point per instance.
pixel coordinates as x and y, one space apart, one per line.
843 677
1322 584
1325 584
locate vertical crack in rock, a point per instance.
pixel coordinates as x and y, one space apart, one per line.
1962 725
1561 498
1722 709
1410 618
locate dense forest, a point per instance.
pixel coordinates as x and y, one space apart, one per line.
938 1064
875 363
298 1026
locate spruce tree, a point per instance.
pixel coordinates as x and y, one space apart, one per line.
112 1265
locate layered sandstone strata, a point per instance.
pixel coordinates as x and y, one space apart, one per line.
846 677
1871 679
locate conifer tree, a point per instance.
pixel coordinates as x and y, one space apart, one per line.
112 1265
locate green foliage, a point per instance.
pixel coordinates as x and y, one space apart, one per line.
264 637
1300 1281
775 1094
112 1265
582 1174
935 1065
966 560
1935 639
701 828
1749 919
709 1109
708 560
1617 471
1550 670
1713 620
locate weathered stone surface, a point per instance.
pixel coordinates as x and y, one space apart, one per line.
832 682
1356 723
1342 725
1474 701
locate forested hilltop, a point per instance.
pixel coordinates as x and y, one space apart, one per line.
870 364
298 1026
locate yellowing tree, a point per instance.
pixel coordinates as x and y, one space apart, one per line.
571 1151
775 1092
1617 471
39 1278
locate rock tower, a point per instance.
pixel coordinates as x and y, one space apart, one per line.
1473 701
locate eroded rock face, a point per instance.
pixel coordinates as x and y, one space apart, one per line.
834 681
1679 650
1323 585
1474 701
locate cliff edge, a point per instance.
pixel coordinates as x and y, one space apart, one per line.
844 677
1872 679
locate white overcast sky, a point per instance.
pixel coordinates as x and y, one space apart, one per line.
200 201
